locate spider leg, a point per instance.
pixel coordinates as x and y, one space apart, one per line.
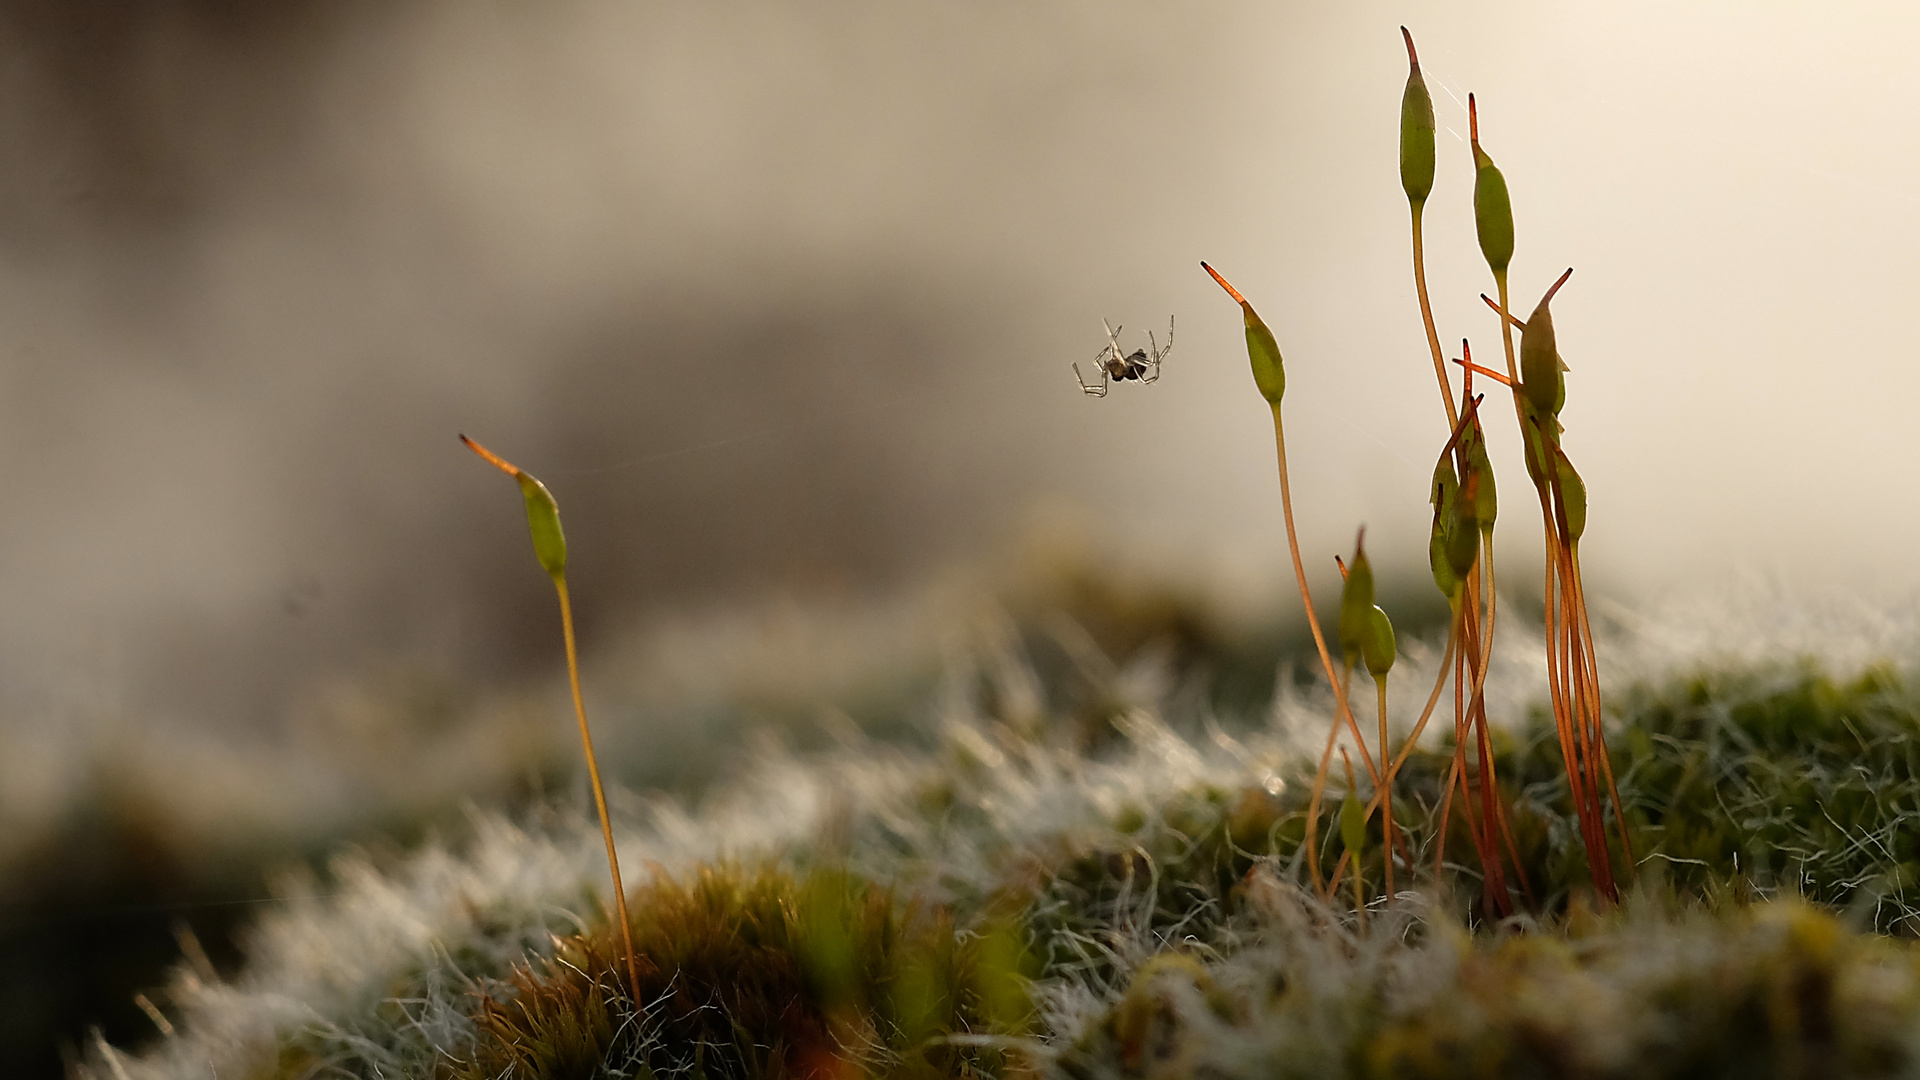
1158 352
1091 390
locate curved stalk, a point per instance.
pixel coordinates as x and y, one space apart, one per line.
1426 314
1386 792
1406 751
1326 661
1606 761
599 793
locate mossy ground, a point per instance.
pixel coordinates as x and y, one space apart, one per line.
1083 868
761 973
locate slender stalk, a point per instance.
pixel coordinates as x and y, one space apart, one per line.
1477 647
1513 363
550 548
1313 811
1306 598
1593 673
1406 751
1269 375
1386 790
1568 726
1560 694
1326 662
1457 768
1582 667
1359 893
599 793
1426 314
1479 695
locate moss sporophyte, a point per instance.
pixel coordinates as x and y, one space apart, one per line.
1270 377
550 548
1465 506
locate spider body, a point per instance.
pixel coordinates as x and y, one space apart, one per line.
1142 365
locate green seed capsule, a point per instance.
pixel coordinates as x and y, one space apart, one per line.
1416 131
1379 649
543 514
1356 604
1463 539
1492 208
1573 495
1445 489
1493 217
1269 371
1542 373
1539 432
543 520
1486 498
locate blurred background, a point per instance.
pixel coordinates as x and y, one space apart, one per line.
780 301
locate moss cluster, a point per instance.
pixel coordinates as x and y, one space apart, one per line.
1784 781
761 973
1775 990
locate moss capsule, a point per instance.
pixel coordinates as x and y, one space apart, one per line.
1445 489
1379 649
1492 208
1573 495
1356 603
1269 371
1416 131
1542 373
543 513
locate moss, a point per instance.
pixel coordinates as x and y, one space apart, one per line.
762 973
1783 780
1778 990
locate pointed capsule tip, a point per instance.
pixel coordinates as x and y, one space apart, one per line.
1231 291
1413 57
1557 284
491 458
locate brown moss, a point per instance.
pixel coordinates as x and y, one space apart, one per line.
760 974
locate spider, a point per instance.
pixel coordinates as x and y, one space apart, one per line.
1116 366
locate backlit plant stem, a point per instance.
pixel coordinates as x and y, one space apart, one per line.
1537 400
1269 375
1406 750
1340 701
550 547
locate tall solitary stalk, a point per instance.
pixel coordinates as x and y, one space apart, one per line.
550 547
1269 374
